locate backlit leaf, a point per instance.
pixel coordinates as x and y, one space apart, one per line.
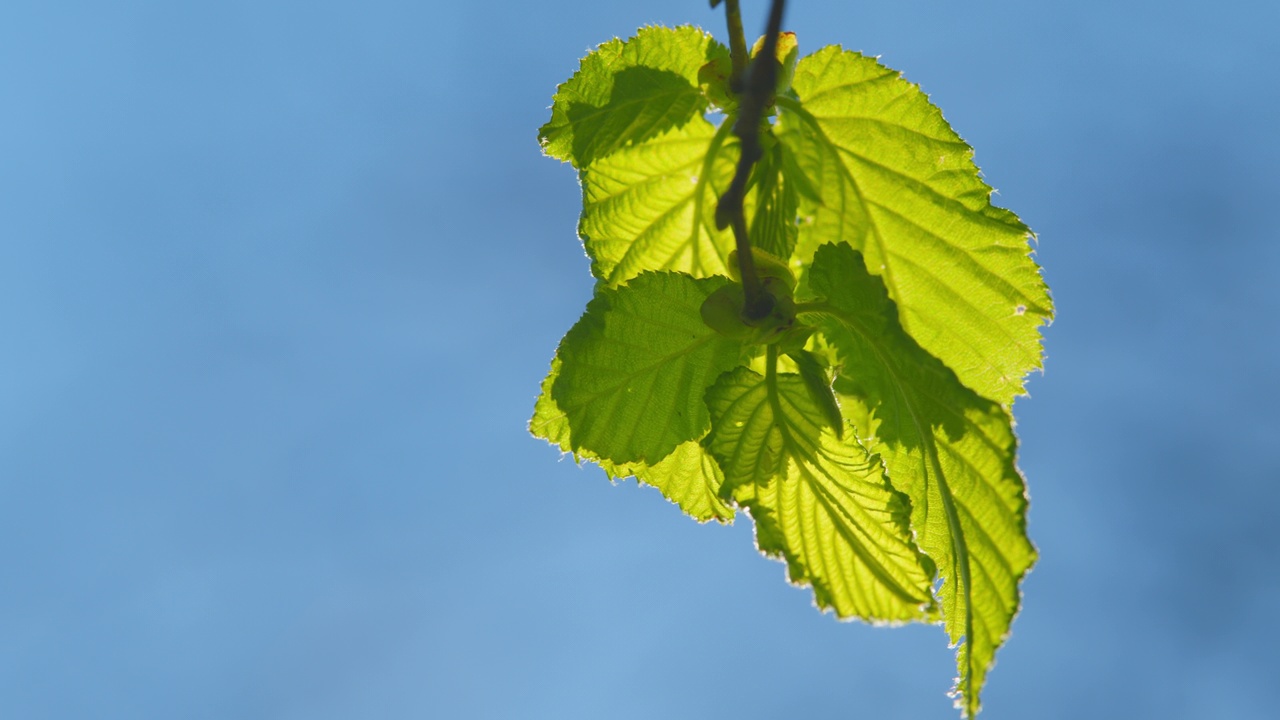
820 503
652 206
898 184
633 370
688 477
949 449
627 92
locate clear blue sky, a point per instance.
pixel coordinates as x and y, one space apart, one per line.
278 282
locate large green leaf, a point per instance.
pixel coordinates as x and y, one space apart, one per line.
628 92
898 184
688 477
633 370
949 449
821 503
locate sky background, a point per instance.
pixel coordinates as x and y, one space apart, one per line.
278 283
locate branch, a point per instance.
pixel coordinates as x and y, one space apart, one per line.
755 92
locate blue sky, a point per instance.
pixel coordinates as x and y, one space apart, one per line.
278 282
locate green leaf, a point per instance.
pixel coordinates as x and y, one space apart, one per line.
651 206
633 370
820 503
898 184
950 450
627 92
688 477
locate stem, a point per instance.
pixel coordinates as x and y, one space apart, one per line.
737 41
756 93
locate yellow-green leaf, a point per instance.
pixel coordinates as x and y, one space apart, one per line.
898 184
633 370
628 92
688 477
820 503
651 206
950 450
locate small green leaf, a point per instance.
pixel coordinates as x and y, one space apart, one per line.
725 312
715 78
722 312
950 450
634 368
898 184
628 92
819 503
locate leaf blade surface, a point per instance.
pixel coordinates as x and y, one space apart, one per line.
899 185
635 366
952 451
651 206
626 92
688 477
820 503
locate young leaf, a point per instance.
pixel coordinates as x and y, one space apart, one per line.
820 503
898 184
949 449
627 92
633 370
